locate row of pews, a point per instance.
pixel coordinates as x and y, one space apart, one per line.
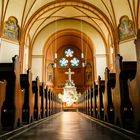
23 101
116 99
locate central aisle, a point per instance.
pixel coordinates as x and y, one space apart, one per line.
70 126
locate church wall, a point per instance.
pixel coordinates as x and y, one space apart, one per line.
139 17
127 50
100 66
0 10
37 67
7 50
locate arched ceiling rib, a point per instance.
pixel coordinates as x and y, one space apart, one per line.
24 9
60 11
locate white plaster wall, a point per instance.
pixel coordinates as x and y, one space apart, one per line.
128 51
100 66
8 50
37 68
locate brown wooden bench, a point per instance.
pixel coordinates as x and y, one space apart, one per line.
107 96
86 102
12 107
28 106
80 103
120 94
37 105
49 102
42 94
90 96
53 103
134 88
46 103
2 96
58 104
94 91
100 109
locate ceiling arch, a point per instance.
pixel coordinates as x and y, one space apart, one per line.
50 13
95 37
69 38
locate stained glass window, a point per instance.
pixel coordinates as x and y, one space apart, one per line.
69 59
69 53
75 62
63 62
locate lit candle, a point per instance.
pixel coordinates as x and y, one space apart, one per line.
83 64
54 65
55 55
82 55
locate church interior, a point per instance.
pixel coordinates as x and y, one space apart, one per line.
63 62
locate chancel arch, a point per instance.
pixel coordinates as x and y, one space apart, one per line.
71 38
98 46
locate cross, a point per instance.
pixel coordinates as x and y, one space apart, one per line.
69 73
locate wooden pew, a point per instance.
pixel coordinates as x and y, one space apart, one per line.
59 106
100 109
12 107
120 95
107 96
86 103
50 102
53 103
95 92
90 102
42 94
46 102
2 97
134 88
37 105
28 106
80 103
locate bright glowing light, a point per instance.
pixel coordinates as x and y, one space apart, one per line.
74 62
69 53
63 62
69 97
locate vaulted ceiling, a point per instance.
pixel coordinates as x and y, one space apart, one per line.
34 16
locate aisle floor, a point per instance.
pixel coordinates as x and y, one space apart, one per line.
70 126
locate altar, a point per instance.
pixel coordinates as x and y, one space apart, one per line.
70 94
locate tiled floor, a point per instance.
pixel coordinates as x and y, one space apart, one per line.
70 126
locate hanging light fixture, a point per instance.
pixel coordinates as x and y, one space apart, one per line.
82 54
55 46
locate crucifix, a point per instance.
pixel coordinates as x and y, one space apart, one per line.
69 74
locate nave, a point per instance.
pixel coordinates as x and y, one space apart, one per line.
57 55
70 126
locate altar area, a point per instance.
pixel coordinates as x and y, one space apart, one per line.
69 95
